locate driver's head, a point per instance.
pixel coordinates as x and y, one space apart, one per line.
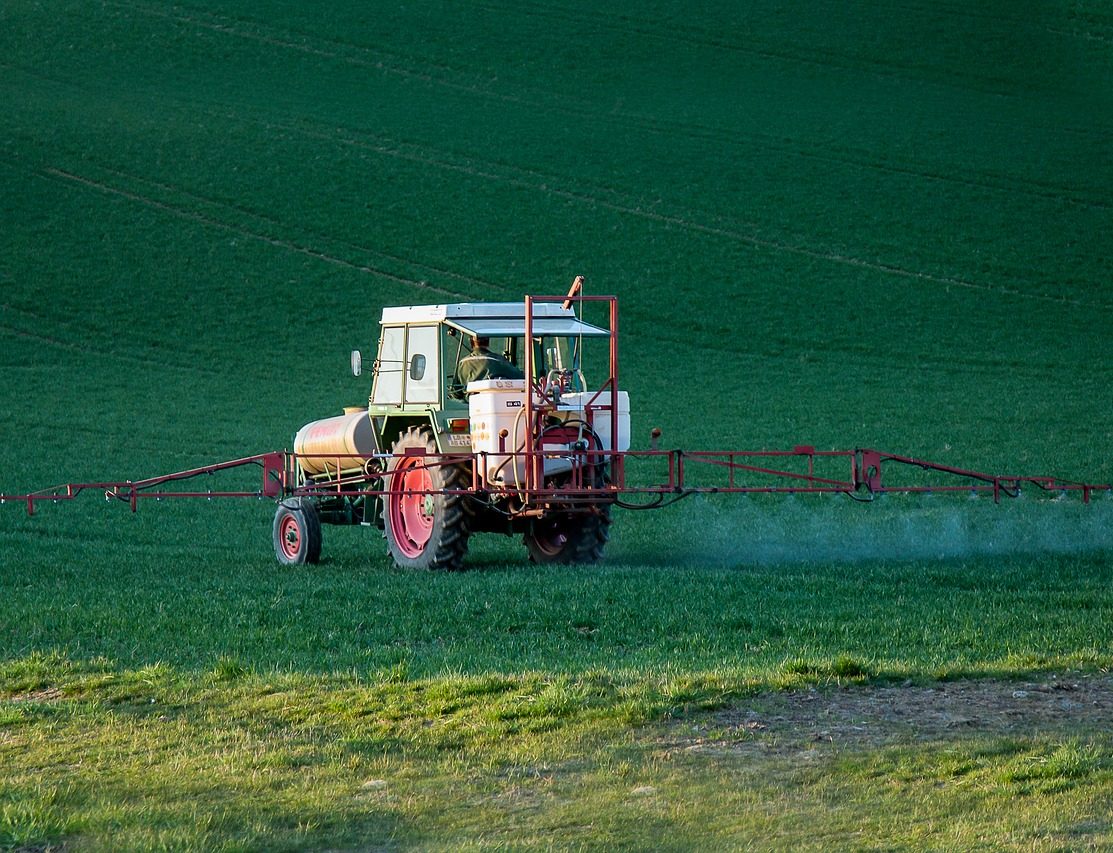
480 343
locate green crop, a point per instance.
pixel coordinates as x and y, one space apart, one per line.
862 226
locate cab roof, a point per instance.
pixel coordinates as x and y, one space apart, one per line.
496 319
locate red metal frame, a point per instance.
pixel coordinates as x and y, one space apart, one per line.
673 467
671 471
534 478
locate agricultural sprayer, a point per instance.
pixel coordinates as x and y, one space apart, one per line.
481 420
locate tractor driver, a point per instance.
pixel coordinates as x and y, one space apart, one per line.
481 363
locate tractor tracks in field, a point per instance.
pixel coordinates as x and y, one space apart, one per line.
818 55
117 188
213 222
628 205
222 214
713 37
528 179
226 206
1101 39
262 227
339 50
722 137
486 85
675 32
148 200
70 343
649 210
259 219
557 186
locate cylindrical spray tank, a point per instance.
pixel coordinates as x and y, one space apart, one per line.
345 435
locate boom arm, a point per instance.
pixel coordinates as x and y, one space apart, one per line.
675 473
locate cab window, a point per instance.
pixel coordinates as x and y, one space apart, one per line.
422 364
390 367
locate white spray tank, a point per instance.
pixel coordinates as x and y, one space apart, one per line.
497 408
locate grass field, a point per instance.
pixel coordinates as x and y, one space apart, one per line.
873 225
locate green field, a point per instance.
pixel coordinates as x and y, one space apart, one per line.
866 225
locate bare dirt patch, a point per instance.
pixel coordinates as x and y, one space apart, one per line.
1060 704
47 695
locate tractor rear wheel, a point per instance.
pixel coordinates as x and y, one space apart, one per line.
297 532
425 529
569 537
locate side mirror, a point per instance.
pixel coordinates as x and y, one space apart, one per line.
357 362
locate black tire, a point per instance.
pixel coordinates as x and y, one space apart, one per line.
577 536
425 531
569 537
297 532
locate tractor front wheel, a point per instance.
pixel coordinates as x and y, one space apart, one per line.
297 532
567 537
425 528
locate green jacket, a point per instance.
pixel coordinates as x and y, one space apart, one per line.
484 364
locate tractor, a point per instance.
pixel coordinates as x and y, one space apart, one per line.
435 458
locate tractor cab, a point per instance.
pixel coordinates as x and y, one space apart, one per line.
418 378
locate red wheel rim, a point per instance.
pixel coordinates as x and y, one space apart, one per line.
289 535
411 517
550 536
